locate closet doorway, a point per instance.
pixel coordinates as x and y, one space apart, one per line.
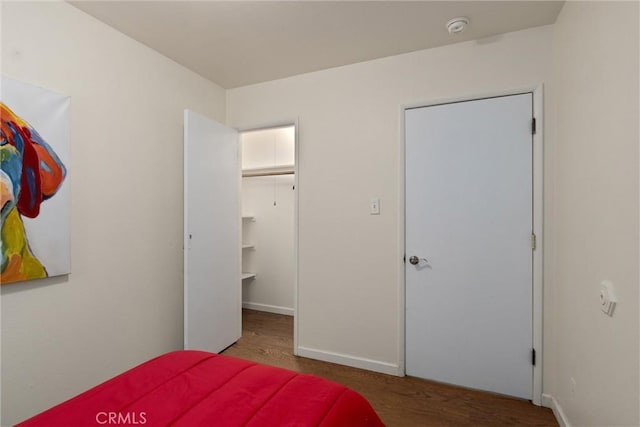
269 219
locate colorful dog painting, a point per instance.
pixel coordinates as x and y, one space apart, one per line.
30 174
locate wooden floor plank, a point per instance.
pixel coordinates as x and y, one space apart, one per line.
268 338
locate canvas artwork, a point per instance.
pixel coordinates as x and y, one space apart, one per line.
34 182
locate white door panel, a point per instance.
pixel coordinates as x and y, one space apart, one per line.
469 213
212 289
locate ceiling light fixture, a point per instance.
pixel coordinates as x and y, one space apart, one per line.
457 25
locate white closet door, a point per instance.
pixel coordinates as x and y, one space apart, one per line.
468 244
212 288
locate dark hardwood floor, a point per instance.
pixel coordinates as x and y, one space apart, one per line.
268 338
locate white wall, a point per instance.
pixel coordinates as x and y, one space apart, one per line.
272 231
266 148
596 213
122 303
350 263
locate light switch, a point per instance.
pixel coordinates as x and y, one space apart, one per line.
374 206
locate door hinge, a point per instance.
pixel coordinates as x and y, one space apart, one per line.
533 126
404 258
533 356
534 242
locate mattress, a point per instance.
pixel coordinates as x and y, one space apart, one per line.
195 388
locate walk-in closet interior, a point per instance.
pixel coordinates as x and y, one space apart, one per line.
268 219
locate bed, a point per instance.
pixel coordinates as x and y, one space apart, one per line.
196 388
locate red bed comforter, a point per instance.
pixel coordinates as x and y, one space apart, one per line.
195 388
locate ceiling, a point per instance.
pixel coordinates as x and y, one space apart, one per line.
237 43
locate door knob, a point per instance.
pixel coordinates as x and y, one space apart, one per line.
414 260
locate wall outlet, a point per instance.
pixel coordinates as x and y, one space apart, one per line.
607 298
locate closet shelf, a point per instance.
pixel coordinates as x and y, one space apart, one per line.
246 276
269 171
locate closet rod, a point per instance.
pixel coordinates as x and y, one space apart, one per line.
279 170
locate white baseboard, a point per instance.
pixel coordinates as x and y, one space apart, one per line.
548 401
268 308
353 361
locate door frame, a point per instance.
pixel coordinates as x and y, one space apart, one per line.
296 198
538 211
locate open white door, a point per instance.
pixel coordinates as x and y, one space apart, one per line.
212 289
